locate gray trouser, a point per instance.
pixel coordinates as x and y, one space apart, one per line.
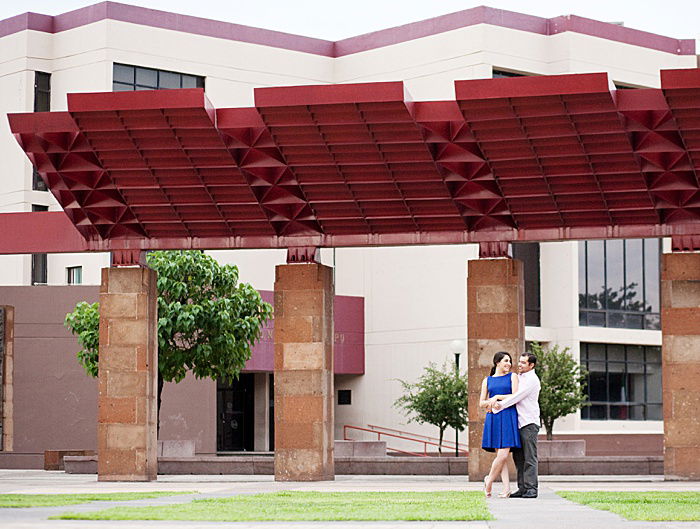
525 458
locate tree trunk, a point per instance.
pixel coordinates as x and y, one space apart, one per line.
442 431
160 392
549 427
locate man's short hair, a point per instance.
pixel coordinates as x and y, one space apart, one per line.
531 358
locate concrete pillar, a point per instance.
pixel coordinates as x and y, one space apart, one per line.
7 362
680 326
261 415
304 372
495 322
126 429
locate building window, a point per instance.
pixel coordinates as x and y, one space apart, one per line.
344 397
42 92
496 74
529 254
129 78
74 275
623 382
39 260
622 86
42 103
619 283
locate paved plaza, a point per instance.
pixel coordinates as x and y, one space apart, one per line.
547 511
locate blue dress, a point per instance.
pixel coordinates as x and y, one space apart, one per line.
500 429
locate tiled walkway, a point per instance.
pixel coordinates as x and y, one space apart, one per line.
549 511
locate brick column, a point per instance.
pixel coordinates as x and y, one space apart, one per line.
495 322
304 372
680 326
7 360
126 429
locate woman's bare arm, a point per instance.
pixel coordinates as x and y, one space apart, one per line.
484 401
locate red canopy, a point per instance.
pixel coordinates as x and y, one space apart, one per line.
531 158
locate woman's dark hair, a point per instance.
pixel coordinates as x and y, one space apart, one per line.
497 358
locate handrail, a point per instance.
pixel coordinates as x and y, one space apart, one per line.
425 443
445 442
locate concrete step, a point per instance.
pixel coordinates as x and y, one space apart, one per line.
388 465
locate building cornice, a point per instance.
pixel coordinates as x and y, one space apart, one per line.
369 41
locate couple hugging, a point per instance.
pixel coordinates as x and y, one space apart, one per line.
512 423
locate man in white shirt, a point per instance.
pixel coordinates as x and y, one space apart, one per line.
526 402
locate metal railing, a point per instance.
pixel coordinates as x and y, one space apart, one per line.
404 436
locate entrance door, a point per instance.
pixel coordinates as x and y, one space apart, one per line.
235 412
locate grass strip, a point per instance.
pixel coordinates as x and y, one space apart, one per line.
55 500
655 506
310 506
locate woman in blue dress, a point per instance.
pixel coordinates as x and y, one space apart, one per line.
500 429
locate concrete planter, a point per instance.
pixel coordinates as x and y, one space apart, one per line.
176 448
360 449
557 448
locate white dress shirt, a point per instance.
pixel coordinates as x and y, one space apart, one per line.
525 399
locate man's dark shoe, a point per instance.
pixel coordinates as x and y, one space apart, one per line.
528 494
517 494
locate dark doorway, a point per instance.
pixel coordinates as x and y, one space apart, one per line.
235 412
271 427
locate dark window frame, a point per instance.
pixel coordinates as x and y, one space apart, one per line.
40 268
344 397
71 275
622 407
529 254
497 73
133 85
42 103
610 318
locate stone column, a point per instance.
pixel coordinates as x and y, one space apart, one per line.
7 362
126 429
495 322
680 326
304 372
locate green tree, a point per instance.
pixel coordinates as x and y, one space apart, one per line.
438 398
562 380
207 321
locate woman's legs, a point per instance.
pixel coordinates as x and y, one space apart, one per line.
505 479
496 467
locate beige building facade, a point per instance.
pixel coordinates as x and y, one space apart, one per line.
415 296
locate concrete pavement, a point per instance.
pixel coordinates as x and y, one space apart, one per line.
547 511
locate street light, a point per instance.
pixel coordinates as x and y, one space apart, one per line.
457 347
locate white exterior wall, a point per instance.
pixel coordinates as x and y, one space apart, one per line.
415 297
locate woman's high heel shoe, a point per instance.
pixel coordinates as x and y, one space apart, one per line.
504 494
487 492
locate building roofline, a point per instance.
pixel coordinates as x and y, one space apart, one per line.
360 43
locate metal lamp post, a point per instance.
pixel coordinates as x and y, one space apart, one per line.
457 347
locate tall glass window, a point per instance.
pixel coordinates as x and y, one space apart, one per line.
529 254
619 283
129 78
623 383
42 103
39 260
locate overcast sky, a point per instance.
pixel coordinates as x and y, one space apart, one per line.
334 20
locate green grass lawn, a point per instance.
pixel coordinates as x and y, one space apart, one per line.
54 500
310 506
649 506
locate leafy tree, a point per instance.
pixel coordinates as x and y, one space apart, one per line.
207 321
84 322
438 398
562 380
